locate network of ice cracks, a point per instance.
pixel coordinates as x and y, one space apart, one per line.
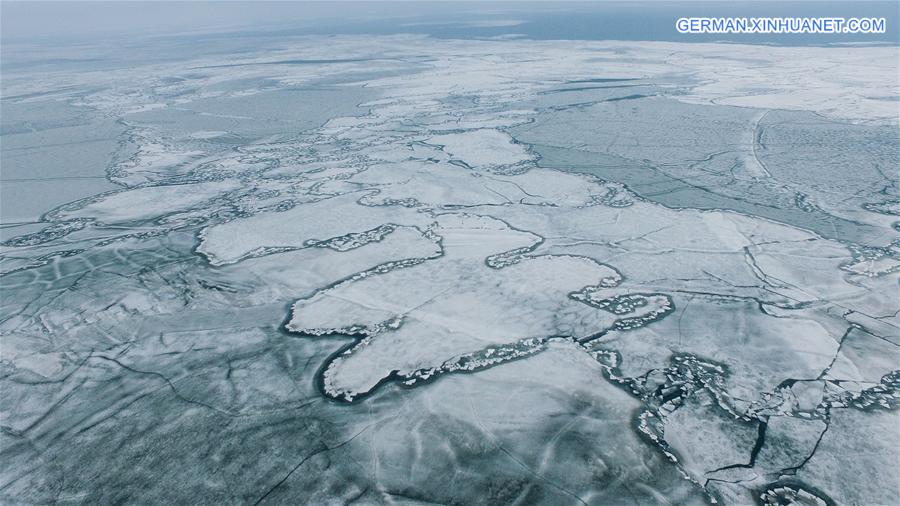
422 228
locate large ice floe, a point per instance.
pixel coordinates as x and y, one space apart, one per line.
413 270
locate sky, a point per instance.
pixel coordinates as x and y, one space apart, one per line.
648 20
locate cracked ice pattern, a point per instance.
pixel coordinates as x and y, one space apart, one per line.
520 279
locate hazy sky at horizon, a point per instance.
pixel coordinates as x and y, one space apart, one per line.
37 20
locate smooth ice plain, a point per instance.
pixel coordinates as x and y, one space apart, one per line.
409 270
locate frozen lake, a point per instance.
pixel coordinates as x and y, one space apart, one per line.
448 259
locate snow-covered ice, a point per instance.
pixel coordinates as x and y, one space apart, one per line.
528 271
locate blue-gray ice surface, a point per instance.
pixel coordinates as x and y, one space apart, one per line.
409 270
